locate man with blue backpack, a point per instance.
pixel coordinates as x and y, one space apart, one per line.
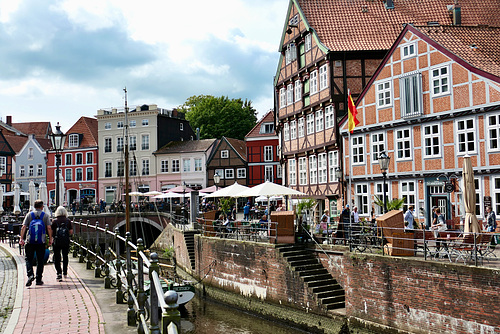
33 235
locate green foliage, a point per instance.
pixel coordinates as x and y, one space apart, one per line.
393 204
220 116
168 252
305 204
225 205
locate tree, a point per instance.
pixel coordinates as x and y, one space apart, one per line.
220 116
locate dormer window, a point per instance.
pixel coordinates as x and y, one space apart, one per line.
73 140
409 50
267 128
224 154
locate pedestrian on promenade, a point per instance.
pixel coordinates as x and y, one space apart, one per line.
34 239
61 230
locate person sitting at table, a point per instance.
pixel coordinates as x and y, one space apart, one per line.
439 226
263 221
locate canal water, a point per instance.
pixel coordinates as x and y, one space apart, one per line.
207 317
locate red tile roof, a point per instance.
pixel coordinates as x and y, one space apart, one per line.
255 132
39 129
350 25
239 146
88 127
16 142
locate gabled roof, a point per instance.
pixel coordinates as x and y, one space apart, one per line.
358 25
16 142
39 129
86 126
255 132
9 130
239 147
186 146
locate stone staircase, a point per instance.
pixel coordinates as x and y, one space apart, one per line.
189 240
325 289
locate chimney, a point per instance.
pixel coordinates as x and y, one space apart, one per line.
389 4
457 14
197 133
9 120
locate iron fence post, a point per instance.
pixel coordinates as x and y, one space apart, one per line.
97 263
131 316
172 313
89 260
141 296
107 255
153 327
119 292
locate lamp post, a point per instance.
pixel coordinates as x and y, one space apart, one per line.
383 160
216 180
57 138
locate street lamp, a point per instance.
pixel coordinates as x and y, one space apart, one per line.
57 138
216 180
383 160
339 175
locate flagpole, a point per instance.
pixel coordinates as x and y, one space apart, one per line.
349 200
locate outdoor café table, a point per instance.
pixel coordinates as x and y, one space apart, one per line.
446 247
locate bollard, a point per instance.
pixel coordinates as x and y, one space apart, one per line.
172 313
107 256
153 296
76 244
131 316
89 261
119 292
97 263
141 296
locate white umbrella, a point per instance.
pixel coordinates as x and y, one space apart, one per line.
269 189
1 199
32 192
61 189
469 194
17 209
135 193
171 195
42 195
152 193
231 191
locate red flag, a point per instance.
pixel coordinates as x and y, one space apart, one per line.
352 120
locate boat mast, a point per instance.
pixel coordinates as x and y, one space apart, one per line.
126 163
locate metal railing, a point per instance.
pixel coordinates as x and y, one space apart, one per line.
127 277
239 230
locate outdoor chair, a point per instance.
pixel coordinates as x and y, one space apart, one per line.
465 250
485 248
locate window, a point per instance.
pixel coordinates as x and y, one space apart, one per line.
108 169
302 55
67 157
220 172
39 170
314 82
403 144
302 171
198 167
31 171
289 95
282 97
164 166
186 165
175 166
333 163
120 168
107 145
278 172
79 158
79 174
73 140
68 175
90 174
145 167
308 42
268 173
181 126
229 173
224 154
307 98
432 141
361 196
286 131
301 127
31 153
298 90
323 77
242 173
493 128
22 171
313 170
144 142
358 150
90 157
268 153
132 143
384 95
319 120
119 144
466 132
293 130
329 117
107 126
292 170
410 87
119 124
440 78
379 193
322 175
310 124
408 50
378 145
133 123
408 192
267 128
133 168
290 53
496 190
145 122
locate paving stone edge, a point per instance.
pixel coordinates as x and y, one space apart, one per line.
16 311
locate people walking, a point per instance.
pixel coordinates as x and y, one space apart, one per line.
33 236
62 230
409 218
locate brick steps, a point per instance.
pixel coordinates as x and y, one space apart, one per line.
189 240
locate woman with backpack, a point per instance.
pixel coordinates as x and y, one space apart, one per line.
61 230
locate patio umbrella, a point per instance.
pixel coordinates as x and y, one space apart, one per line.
135 193
17 208
42 195
32 192
208 190
180 189
231 191
471 224
269 189
1 199
170 195
61 189
152 193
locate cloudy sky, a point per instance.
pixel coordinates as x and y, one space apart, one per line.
63 59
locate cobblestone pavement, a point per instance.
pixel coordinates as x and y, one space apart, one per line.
8 277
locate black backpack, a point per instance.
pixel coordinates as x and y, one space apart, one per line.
62 235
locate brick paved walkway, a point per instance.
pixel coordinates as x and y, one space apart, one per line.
8 277
55 307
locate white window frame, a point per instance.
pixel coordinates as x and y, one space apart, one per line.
463 136
145 122
22 171
323 77
319 120
89 174
289 94
361 195
73 140
198 165
176 166
495 186
403 144
224 154
220 172
145 167
241 173
329 117
186 165
292 172
286 131
439 81
133 123
119 125
378 145
282 97
333 163
303 171
313 169
308 42
269 173
493 133
120 168
300 127
268 153
408 50
89 158
107 126
358 150
145 142
322 168
133 168
379 192
410 94
31 153
298 90
293 130
108 145
384 94
119 144
79 174
68 159
39 170
432 140
229 173
310 123
164 166
410 195
132 143
31 170
68 175
313 82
